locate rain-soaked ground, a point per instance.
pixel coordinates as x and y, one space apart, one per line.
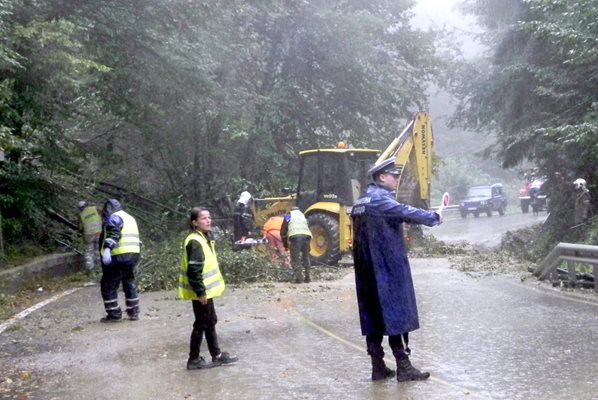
482 231
487 338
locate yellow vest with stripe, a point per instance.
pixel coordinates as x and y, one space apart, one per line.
92 224
211 276
129 236
298 224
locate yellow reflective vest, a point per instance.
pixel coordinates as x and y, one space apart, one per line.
298 224
211 276
92 224
129 236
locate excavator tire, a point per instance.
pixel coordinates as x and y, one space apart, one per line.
324 248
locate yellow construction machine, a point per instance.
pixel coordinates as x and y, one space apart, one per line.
331 180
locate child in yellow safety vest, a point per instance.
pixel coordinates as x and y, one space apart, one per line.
200 281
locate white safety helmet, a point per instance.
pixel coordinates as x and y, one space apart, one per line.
579 183
244 197
82 204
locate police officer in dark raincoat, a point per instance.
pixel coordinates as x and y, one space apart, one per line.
385 293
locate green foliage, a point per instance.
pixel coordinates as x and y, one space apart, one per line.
592 232
537 91
161 263
429 246
7 305
247 266
23 199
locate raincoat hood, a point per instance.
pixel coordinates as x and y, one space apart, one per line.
110 207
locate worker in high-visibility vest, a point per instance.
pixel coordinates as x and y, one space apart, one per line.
200 281
296 236
120 248
91 225
271 232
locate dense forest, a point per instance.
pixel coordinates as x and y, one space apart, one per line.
170 103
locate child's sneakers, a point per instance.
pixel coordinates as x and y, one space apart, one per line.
224 358
199 363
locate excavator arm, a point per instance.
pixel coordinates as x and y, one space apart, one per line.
412 150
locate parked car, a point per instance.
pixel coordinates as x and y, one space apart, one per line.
484 199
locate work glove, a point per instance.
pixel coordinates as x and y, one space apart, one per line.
106 257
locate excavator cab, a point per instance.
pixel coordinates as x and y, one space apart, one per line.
330 181
333 175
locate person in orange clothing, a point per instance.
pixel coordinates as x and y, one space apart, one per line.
271 232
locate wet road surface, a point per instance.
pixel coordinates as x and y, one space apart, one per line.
482 231
489 338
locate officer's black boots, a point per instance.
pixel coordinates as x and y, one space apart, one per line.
380 370
407 372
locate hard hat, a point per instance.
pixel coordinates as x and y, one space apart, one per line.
82 204
385 167
244 197
579 183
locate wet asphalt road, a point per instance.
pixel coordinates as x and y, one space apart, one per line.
489 338
482 231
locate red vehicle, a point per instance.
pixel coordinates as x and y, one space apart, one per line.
531 194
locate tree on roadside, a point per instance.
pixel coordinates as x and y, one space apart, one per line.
537 90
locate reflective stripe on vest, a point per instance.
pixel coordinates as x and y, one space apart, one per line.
92 223
298 224
211 276
129 236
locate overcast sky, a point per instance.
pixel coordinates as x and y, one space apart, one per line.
436 13
441 14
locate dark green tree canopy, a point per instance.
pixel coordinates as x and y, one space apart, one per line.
192 102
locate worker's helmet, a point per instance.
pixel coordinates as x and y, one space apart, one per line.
82 204
244 197
579 183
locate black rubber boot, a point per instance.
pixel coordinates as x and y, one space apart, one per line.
380 370
407 372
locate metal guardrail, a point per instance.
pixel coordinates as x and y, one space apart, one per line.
447 208
572 254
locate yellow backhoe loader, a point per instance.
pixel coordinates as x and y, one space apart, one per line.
331 180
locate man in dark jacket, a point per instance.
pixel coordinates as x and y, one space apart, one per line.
242 218
385 292
120 249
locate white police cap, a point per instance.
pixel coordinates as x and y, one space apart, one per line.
385 167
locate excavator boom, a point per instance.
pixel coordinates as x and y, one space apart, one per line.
412 150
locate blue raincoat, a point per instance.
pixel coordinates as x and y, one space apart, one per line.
385 293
